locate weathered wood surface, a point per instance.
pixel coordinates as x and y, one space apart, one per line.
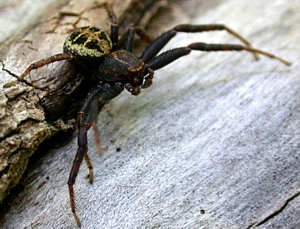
214 143
28 115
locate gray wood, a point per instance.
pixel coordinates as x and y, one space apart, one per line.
23 109
214 143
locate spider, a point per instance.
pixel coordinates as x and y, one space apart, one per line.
111 65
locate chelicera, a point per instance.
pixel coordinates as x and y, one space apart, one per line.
111 66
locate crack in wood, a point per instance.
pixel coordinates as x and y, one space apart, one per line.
276 212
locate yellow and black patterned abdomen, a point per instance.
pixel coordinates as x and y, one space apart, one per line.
88 43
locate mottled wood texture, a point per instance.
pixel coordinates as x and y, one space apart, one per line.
214 143
29 116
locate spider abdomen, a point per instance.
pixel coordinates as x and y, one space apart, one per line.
88 45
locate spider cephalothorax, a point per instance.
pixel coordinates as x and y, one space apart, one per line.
113 66
123 66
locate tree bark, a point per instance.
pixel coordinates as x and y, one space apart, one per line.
213 143
30 115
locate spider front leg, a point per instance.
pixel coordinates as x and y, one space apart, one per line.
172 55
156 62
86 116
187 28
153 49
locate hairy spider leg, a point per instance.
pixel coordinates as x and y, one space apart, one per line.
153 49
39 64
127 39
87 115
156 62
232 47
90 167
97 138
187 28
114 34
172 55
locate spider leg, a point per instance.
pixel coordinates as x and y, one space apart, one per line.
188 28
153 49
114 34
90 167
127 39
172 55
39 64
97 138
87 115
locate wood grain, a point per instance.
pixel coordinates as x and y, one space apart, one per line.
214 143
